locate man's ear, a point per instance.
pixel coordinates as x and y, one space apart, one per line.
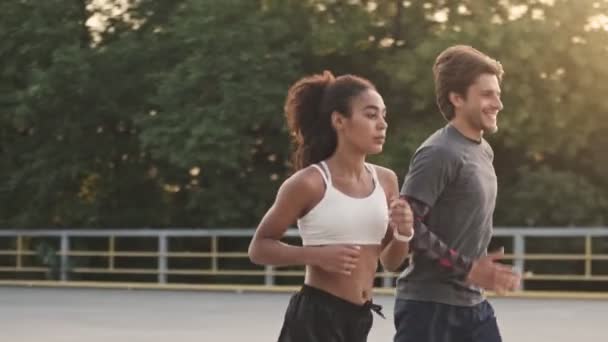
456 99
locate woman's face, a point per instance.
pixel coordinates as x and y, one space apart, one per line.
365 129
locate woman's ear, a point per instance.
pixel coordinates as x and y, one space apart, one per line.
337 120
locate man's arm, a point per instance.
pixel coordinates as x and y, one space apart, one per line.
484 272
431 170
430 245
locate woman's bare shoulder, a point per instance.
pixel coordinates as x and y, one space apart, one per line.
388 179
307 182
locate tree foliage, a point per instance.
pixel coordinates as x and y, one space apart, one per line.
169 113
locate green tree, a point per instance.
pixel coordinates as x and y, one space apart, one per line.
216 115
70 153
169 113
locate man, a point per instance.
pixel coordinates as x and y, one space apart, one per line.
451 186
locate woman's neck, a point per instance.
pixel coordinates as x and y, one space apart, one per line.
348 165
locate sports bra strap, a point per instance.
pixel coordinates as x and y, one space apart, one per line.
321 172
372 170
327 174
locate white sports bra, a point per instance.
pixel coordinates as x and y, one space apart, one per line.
341 219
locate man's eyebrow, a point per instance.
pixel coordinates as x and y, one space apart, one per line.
491 91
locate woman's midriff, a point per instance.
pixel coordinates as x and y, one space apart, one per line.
356 287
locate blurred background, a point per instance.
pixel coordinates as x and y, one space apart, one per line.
166 115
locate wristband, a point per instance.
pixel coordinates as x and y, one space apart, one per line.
402 238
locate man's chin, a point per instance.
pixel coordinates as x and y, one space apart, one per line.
490 129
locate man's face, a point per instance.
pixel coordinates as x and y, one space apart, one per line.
482 103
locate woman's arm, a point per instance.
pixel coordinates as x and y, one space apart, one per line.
296 196
394 252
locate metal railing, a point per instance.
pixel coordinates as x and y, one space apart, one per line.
17 261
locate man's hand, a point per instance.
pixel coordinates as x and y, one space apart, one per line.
491 275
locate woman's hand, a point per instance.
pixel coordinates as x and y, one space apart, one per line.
341 259
401 218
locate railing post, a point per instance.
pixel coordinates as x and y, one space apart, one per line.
162 258
214 253
519 250
269 276
19 251
111 252
387 280
588 256
65 249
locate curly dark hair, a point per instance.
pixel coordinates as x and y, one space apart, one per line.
308 108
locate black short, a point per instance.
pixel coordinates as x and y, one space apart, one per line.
436 322
314 315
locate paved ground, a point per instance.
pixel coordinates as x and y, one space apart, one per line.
93 315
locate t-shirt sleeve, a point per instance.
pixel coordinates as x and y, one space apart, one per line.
431 169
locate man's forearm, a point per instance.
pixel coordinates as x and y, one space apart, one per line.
430 245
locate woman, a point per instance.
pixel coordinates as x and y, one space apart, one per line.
341 205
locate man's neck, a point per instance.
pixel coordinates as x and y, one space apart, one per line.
465 129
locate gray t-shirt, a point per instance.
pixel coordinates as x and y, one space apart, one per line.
455 177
